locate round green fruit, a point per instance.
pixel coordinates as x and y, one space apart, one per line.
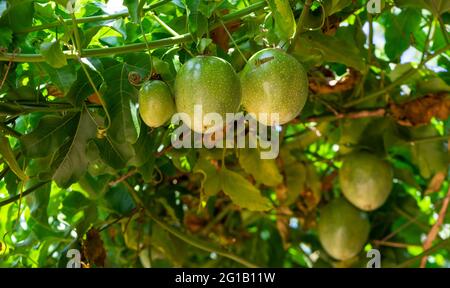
274 82
343 229
366 180
206 84
156 104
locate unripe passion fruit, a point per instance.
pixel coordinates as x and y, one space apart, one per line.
156 104
366 180
343 229
274 82
210 83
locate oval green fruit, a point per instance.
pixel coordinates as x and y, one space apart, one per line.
343 229
274 82
156 104
366 180
206 84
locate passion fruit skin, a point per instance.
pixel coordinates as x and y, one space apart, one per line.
208 81
156 105
274 82
366 180
343 229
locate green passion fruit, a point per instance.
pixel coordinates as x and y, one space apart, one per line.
208 83
366 180
343 229
156 104
274 82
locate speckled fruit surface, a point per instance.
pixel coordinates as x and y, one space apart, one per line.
274 82
156 104
366 180
208 81
343 229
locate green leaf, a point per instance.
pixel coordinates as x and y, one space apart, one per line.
284 19
119 200
432 85
438 7
63 77
5 37
10 158
242 192
334 6
18 15
263 170
121 97
70 161
53 54
399 29
49 135
38 202
133 9
430 157
328 49
115 155
198 24
295 173
82 88
144 146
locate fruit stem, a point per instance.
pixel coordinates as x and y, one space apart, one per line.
301 21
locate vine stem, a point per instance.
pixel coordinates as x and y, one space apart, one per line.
408 74
409 262
23 194
97 52
90 19
435 229
430 139
198 243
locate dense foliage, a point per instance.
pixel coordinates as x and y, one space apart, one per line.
79 169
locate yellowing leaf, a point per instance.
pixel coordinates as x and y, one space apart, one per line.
263 170
211 179
10 159
242 192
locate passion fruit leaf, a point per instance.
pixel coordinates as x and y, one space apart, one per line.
334 6
285 25
399 30
8 156
63 77
49 135
53 54
330 49
70 162
429 157
264 171
5 37
242 192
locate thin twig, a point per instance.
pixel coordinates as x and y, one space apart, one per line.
394 244
435 229
23 194
123 178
